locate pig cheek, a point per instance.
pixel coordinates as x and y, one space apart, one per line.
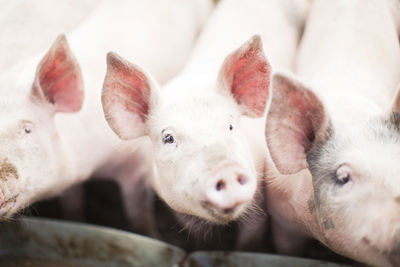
165 173
336 219
170 185
244 156
13 166
174 189
186 189
325 214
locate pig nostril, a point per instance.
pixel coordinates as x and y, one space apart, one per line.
241 179
220 185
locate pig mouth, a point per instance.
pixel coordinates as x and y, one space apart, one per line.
5 208
220 216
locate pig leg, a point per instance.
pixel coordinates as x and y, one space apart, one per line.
72 201
251 235
138 199
286 242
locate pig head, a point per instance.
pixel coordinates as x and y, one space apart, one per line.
338 181
32 157
202 163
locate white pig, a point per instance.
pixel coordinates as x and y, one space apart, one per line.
22 21
203 164
334 144
46 144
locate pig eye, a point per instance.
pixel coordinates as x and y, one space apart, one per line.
27 126
343 178
168 139
230 127
343 175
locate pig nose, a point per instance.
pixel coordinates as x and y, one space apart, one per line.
229 189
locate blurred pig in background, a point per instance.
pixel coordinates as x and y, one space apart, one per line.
206 125
28 27
52 129
334 144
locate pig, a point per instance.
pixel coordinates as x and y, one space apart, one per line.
333 142
53 137
20 20
207 156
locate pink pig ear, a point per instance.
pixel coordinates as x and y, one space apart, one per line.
126 97
58 78
246 73
295 120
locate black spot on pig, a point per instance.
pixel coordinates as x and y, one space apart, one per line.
321 162
318 151
311 205
366 240
328 223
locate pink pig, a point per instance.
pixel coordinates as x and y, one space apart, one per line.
208 156
334 150
20 21
51 135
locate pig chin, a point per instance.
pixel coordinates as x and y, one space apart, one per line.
387 254
9 205
9 177
376 241
223 216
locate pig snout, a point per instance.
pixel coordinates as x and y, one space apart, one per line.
229 187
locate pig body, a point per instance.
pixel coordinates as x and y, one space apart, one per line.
204 165
333 149
49 144
21 22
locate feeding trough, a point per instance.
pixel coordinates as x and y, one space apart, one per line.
238 259
43 242
37 242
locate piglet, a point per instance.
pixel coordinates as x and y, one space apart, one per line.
52 131
208 156
334 143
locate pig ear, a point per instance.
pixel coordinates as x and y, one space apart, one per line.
246 74
126 97
58 79
295 120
